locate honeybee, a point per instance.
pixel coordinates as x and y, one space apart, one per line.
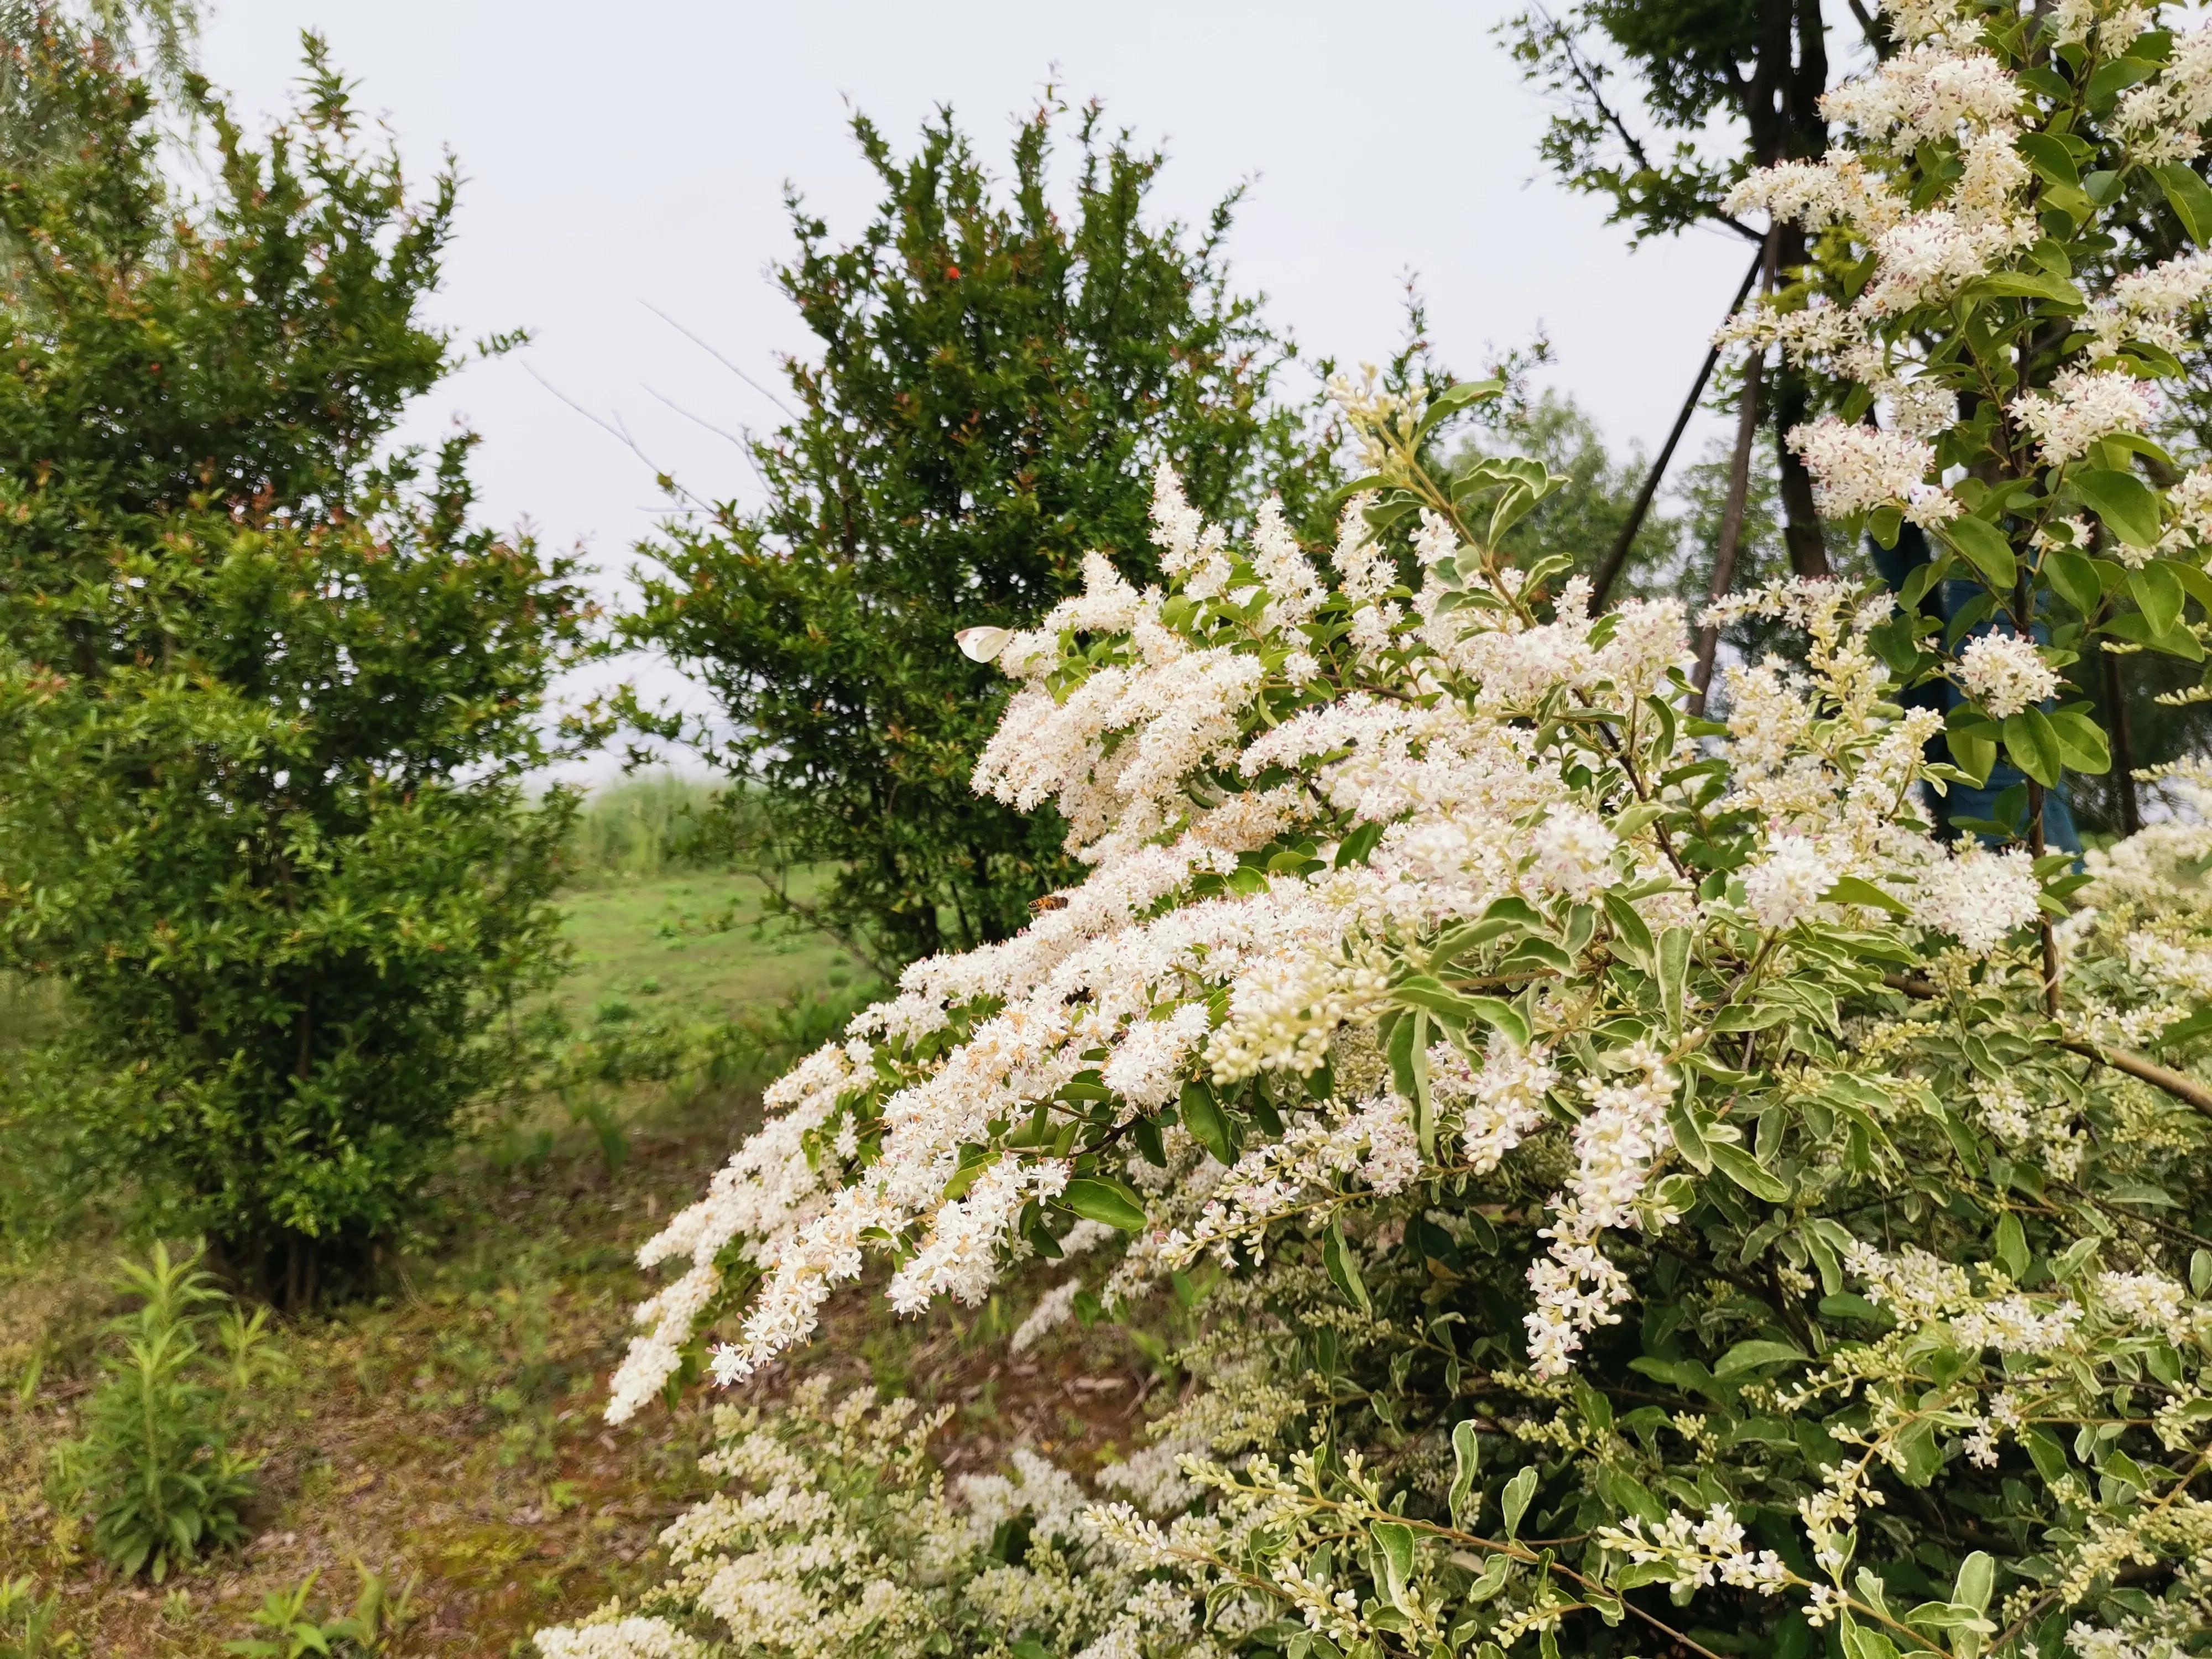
1050 902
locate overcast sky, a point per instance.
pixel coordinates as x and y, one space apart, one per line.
620 158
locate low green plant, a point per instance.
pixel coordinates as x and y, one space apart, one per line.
599 1113
378 1615
156 1459
30 1623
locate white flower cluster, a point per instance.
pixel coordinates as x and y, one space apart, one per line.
1927 92
1053 1309
1180 957
2149 305
1701 1552
1787 883
2151 1301
1373 1144
1499 1106
619 1638
2005 673
2164 117
1976 896
1419 913
2081 406
1576 1286
1855 467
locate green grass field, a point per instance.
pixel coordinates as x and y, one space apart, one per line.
691 941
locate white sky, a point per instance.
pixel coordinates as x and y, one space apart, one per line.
615 158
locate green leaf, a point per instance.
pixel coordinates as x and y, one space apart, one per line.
2028 285
1689 1140
2113 78
1514 1500
1944 1615
1203 1116
2123 501
1977 1578
2049 157
1394 1538
2082 742
2194 582
2134 627
2012 1244
1502 1016
1974 752
1856 889
1356 846
1456 941
1985 548
2074 575
1343 1268
1466 1465
1916 1453
1421 991
1095 1198
1751 1355
2031 740
1454 399
1628 928
2192 198
1409 1038
1747 1172
2158 591
1674 974
971 1168
1536 955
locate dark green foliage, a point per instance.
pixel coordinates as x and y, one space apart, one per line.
996 381
156 1459
264 702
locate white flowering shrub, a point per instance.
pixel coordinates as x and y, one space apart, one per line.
840 1538
1660 1198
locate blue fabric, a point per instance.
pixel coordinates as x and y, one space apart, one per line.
1898 564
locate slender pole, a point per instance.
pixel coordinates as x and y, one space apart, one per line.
1732 515
1616 560
2123 756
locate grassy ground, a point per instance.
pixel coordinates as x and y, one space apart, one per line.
688 940
450 1429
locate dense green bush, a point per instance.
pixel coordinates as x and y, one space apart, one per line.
265 701
996 377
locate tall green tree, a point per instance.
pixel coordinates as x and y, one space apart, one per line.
266 693
999 369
